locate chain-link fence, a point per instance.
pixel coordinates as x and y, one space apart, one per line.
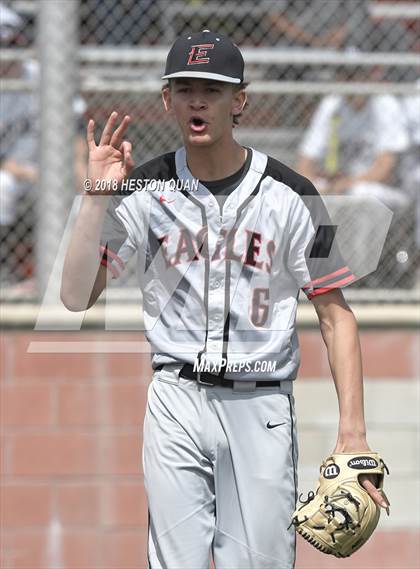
352 66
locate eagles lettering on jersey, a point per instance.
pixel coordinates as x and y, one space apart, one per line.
225 286
249 248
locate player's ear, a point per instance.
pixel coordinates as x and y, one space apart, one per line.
238 101
166 98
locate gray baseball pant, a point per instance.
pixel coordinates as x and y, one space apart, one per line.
218 480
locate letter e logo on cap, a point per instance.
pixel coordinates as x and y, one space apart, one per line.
198 53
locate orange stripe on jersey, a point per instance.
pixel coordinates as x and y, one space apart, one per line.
327 277
331 286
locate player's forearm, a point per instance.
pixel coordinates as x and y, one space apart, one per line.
342 340
82 259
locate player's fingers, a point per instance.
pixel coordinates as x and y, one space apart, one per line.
128 163
117 137
126 149
109 128
376 495
90 136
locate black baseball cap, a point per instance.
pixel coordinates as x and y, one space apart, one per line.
205 55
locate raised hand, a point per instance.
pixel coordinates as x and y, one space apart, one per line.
111 160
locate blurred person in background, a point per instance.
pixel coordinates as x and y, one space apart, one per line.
19 143
333 24
18 157
353 145
317 25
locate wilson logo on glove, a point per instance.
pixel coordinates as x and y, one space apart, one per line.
362 462
331 471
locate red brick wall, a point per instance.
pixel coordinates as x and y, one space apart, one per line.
71 452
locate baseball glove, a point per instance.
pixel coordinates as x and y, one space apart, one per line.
341 516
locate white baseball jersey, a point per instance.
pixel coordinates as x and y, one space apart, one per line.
224 286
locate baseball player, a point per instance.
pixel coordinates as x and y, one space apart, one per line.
225 238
